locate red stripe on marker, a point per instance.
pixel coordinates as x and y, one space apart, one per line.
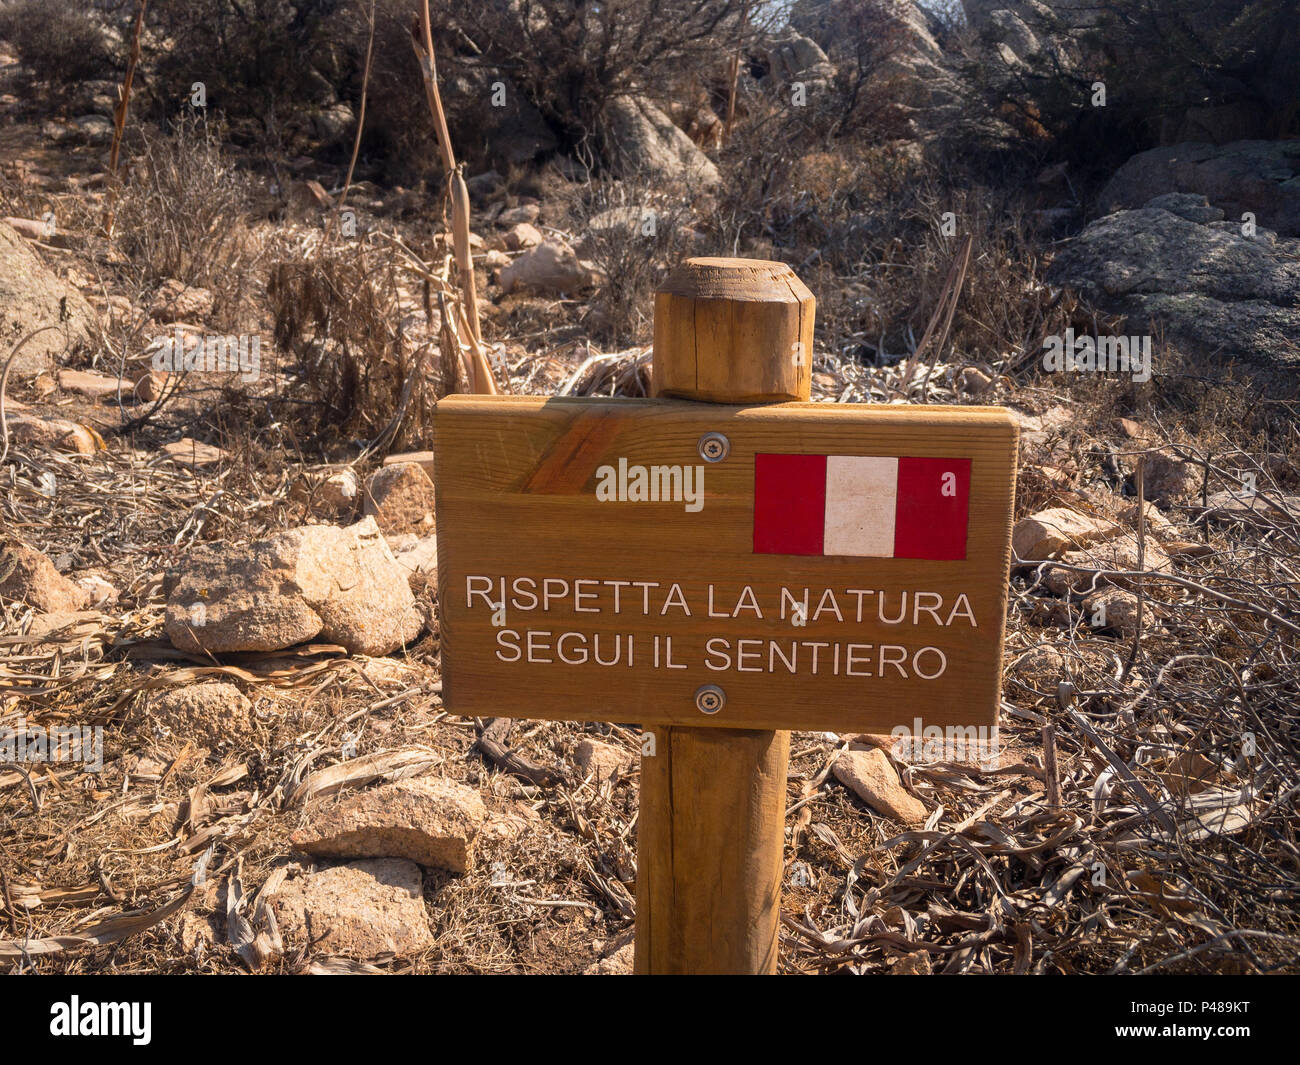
789 504
933 504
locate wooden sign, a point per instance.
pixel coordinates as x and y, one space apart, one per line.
789 566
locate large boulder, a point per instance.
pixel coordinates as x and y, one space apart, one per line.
339 584
1262 177
1219 292
31 296
644 145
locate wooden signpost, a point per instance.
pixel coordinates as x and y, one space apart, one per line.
719 566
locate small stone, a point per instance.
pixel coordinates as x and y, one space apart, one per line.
339 490
429 820
1186 550
193 453
917 964
1118 554
415 554
175 301
1115 610
521 236
552 266
1168 480
213 714
1049 533
57 434
603 759
423 458
400 499
29 577
99 592
360 910
526 213
872 778
1156 523
973 381
94 385
619 963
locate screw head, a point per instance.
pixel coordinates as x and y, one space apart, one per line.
709 699
714 447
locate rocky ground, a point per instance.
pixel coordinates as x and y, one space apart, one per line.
245 604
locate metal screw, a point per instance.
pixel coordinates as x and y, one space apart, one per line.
714 447
709 699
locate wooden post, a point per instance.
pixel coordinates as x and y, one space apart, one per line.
711 830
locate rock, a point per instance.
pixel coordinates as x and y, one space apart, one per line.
1220 293
522 235
917 964
31 297
604 760
424 458
400 498
973 381
213 714
482 186
69 628
644 145
193 453
95 129
1115 610
1049 533
1120 553
29 577
31 228
359 910
98 591
871 777
415 554
1259 176
496 260
619 963
53 433
175 301
340 489
550 267
793 57
1193 207
1186 550
616 225
524 213
1169 480
94 385
427 820
332 124
341 584
1155 523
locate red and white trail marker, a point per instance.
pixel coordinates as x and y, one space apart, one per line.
863 506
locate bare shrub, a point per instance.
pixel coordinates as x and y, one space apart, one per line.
354 330
62 42
633 234
182 213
